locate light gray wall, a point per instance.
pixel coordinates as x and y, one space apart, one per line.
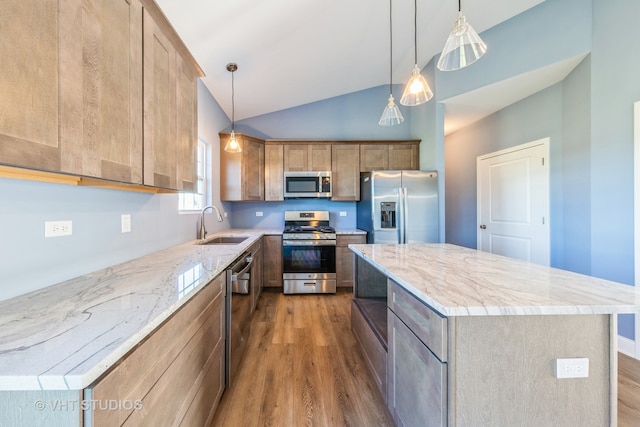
592 150
28 261
615 86
531 119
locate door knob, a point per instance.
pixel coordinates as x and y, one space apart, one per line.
482 226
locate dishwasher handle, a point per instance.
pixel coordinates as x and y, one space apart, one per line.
246 268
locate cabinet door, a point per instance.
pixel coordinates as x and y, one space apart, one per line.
319 157
273 172
29 82
403 157
296 157
101 91
257 275
272 261
374 157
346 259
416 379
345 172
186 125
159 107
252 170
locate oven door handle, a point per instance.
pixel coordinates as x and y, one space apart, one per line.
325 242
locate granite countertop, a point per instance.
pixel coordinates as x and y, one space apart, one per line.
458 281
65 336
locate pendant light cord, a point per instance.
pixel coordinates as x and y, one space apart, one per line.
459 7
415 31
233 103
390 50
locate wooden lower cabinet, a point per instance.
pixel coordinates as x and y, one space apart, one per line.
272 261
176 376
345 259
256 273
416 379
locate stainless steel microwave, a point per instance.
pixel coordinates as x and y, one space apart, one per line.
307 184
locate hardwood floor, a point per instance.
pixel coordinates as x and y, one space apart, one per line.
302 366
628 391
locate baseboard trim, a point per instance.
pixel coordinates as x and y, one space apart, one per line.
627 346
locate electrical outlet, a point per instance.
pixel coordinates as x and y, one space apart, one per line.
125 223
342 213
58 228
259 213
575 367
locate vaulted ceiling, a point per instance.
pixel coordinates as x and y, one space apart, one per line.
291 53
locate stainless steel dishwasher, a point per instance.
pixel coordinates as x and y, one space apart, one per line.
238 311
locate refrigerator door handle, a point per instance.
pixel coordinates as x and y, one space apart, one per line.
405 213
402 221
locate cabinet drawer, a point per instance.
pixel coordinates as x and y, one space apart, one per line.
374 351
346 240
424 322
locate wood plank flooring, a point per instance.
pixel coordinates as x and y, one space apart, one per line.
302 366
628 391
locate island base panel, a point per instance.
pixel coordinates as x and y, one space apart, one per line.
502 371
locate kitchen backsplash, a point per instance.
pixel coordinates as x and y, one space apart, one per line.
245 214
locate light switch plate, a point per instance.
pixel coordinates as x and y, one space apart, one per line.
342 213
125 223
259 214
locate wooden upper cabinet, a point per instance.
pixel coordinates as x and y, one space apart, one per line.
29 89
404 156
170 105
160 148
273 172
72 92
374 157
101 91
242 174
187 125
392 156
307 157
345 172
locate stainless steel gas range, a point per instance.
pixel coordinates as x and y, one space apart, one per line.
308 253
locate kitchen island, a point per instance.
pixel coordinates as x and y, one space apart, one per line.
480 339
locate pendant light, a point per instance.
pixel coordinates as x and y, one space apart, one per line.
232 145
391 114
417 90
463 47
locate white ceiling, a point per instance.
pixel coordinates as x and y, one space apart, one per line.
293 52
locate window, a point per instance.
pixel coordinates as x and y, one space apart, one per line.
198 199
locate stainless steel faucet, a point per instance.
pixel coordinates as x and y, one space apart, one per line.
203 231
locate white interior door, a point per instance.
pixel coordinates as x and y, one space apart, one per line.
513 202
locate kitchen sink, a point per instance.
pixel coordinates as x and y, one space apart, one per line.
223 240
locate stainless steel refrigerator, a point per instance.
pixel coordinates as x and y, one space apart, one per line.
399 206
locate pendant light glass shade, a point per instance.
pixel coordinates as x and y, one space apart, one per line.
232 145
463 47
391 115
417 90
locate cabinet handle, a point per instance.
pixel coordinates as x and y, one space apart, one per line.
482 227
